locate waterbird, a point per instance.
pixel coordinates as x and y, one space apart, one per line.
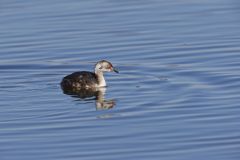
83 80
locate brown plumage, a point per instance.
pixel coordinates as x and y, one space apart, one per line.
85 79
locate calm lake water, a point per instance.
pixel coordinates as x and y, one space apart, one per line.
176 97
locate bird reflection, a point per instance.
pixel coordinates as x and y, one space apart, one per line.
96 94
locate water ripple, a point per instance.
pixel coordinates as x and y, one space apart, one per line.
176 96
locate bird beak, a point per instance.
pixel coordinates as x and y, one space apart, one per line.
115 70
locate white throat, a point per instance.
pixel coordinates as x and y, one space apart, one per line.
100 77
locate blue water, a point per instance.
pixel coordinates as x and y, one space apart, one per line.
176 97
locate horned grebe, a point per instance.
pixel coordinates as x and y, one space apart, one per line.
88 80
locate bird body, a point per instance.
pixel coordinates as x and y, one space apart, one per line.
86 80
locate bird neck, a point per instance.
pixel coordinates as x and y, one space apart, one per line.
100 77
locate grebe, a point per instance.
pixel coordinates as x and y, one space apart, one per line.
88 80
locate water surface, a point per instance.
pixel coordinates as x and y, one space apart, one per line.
176 97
